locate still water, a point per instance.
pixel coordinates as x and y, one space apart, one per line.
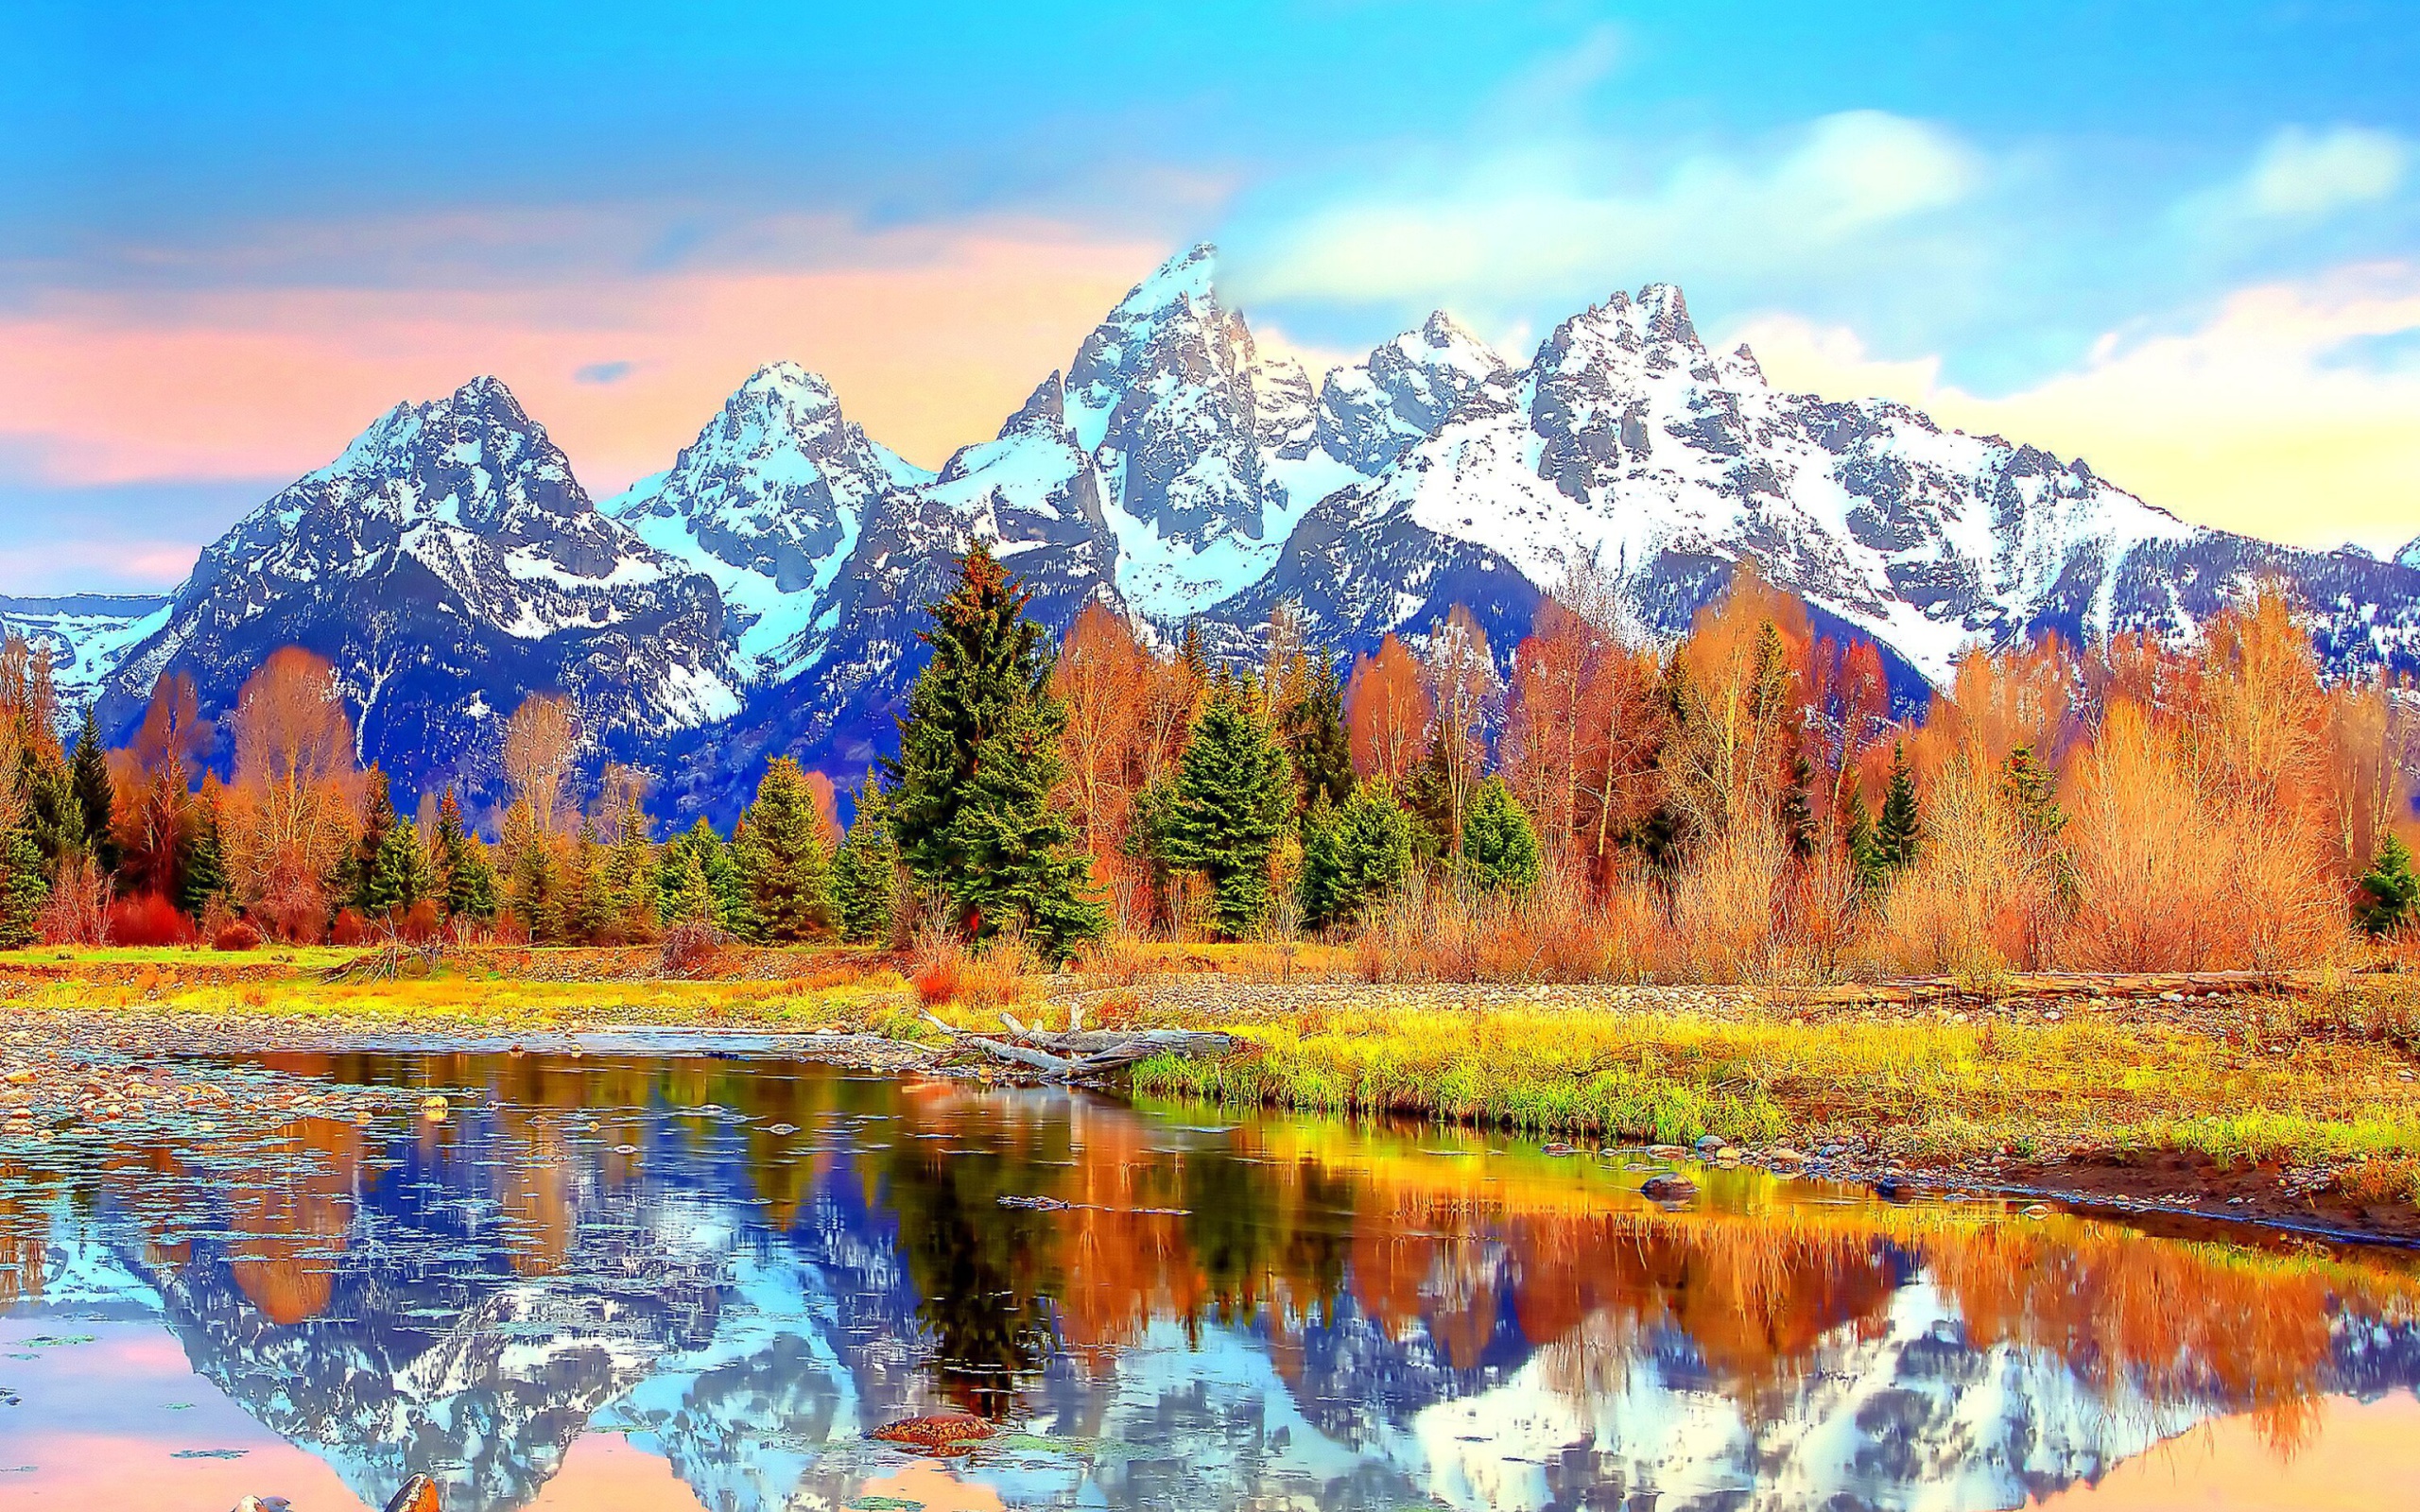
648 1281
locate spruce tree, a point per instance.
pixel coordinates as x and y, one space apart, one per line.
360 865
735 913
54 820
1797 807
24 887
972 805
464 876
1353 853
865 871
1895 834
2028 787
684 895
94 799
781 857
1316 741
1429 796
1234 797
397 876
587 912
1856 829
1022 857
635 899
1499 844
2391 888
201 864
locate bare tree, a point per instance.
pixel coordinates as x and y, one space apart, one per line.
540 742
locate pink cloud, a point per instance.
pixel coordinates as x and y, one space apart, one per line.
930 340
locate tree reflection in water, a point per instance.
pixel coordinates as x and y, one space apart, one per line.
747 1264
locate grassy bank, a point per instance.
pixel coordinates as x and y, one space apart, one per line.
2318 1080
2246 1082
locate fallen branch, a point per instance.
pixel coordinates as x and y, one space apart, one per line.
1065 1057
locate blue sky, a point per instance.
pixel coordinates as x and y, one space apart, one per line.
230 235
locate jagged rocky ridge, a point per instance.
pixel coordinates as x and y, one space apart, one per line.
449 564
763 594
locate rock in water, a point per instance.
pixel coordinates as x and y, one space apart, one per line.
945 1433
1668 1188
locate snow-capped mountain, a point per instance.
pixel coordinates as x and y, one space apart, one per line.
1629 444
763 594
769 501
86 635
449 564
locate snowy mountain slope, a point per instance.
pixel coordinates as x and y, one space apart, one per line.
86 634
448 564
768 501
1628 442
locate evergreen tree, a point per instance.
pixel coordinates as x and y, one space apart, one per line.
2029 790
24 887
633 894
865 872
464 877
356 871
201 864
1499 844
1022 857
1316 741
2391 888
1352 853
972 791
781 857
1429 796
733 911
397 876
54 820
1797 807
94 798
1234 797
1895 834
587 912
1856 829
533 875
684 895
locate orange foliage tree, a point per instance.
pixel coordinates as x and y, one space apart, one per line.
1386 712
294 807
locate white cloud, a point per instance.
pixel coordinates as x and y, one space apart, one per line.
2275 416
2302 174
1519 222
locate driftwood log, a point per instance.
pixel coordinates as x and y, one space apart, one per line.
1081 1054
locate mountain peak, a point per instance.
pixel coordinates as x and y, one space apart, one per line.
1187 275
1667 314
800 387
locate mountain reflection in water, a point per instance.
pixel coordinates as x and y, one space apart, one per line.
741 1267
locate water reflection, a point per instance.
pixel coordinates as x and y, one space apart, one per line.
741 1267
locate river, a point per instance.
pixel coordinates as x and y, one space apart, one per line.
640 1281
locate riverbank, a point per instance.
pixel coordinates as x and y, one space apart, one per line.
2227 1100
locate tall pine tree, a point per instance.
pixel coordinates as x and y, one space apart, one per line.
1353 853
465 878
783 859
1234 798
1316 741
201 866
974 806
2388 887
1499 844
94 798
865 869
1899 829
